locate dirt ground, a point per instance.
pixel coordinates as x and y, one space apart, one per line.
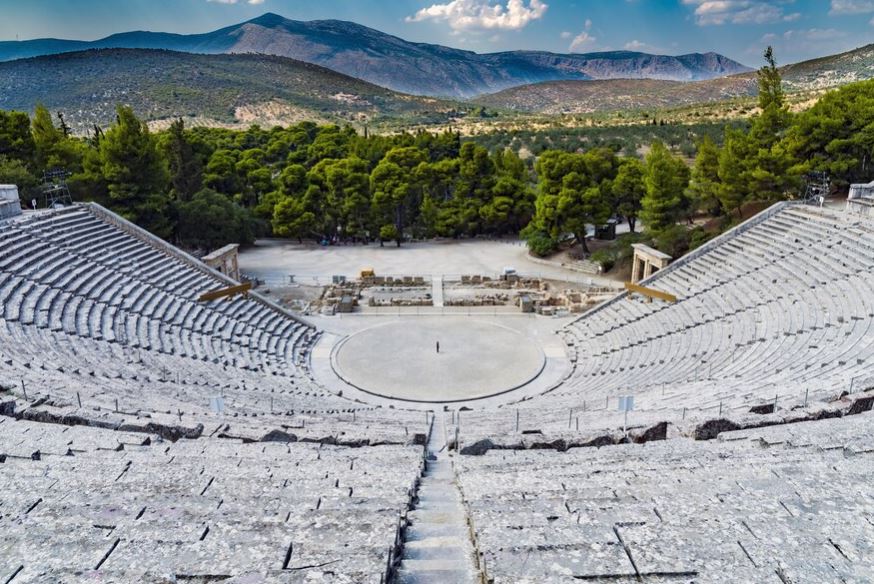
274 260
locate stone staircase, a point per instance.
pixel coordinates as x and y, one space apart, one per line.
437 291
585 266
438 548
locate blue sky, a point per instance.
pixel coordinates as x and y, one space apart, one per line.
798 29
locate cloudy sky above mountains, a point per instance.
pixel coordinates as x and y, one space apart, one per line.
798 29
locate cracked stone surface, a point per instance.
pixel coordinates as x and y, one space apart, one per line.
682 510
115 467
194 507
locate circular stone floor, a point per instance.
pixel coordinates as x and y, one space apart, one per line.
399 360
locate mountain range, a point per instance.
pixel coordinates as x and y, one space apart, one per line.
207 90
241 89
582 97
391 62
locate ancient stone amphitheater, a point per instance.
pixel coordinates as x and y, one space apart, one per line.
149 437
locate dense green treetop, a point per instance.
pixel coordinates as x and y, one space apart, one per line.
331 183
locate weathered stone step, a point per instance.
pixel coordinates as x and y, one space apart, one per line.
435 577
437 548
432 483
428 530
436 516
439 505
444 471
428 492
465 566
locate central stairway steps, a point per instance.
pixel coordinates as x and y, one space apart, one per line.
437 545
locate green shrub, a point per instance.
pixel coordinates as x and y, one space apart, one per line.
540 244
605 257
618 252
673 240
698 237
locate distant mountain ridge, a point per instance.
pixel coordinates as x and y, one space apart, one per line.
225 90
581 97
391 62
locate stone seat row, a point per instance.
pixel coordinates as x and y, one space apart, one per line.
192 509
783 310
84 300
754 504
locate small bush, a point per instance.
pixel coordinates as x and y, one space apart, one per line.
619 252
698 237
673 241
605 257
540 244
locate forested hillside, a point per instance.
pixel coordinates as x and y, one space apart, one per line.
205 89
576 97
205 187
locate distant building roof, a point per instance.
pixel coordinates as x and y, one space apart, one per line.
221 252
651 251
8 193
862 191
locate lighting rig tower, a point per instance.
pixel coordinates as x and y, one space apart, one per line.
817 188
54 188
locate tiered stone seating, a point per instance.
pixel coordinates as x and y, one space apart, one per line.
781 310
106 356
783 504
115 467
103 320
74 272
83 504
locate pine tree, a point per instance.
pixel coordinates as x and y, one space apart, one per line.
734 186
580 203
16 140
666 179
837 134
772 173
704 183
394 187
45 137
53 148
628 190
292 219
135 173
186 171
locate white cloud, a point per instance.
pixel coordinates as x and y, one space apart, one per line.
799 44
566 34
813 35
582 41
642 47
851 6
717 12
483 14
801 36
